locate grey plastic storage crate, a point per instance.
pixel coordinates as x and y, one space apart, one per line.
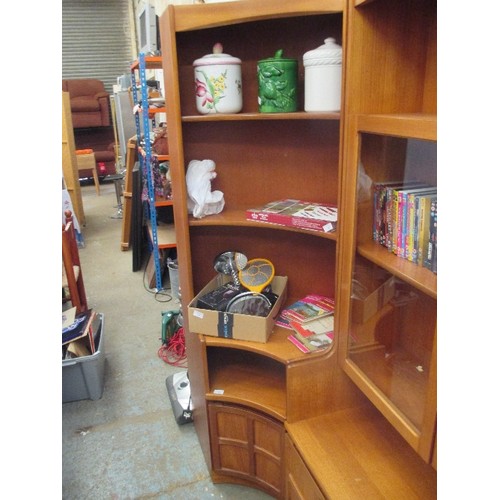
83 378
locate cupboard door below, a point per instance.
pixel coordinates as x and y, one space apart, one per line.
248 445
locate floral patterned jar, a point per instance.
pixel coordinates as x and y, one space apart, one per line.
323 77
217 79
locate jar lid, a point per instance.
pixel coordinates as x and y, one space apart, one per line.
329 53
217 57
278 57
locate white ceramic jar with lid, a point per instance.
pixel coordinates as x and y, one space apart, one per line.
217 79
323 77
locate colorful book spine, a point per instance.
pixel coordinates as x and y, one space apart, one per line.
424 226
430 262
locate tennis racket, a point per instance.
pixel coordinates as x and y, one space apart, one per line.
257 274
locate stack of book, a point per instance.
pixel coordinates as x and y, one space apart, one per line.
310 320
405 221
79 333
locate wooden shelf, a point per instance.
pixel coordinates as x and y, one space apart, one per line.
194 17
160 158
152 62
278 347
237 217
166 235
411 125
240 377
357 454
160 201
418 276
301 115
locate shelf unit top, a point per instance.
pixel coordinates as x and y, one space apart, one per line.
201 16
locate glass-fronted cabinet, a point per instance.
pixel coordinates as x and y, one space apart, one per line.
390 349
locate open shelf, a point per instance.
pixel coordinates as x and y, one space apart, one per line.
417 276
408 125
161 201
166 235
243 377
301 115
278 347
160 158
152 62
372 459
236 217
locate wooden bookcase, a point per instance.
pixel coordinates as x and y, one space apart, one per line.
306 404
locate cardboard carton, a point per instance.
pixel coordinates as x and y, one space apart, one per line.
235 326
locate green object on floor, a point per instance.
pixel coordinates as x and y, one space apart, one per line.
169 325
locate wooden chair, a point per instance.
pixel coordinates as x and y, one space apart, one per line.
72 276
85 160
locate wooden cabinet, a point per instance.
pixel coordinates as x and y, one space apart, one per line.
247 445
387 318
321 410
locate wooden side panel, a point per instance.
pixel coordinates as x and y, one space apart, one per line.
69 167
299 484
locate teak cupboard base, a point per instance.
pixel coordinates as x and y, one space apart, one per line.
345 422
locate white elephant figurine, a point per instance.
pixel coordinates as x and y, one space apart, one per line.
201 199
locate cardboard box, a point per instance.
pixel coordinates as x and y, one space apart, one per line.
364 309
83 377
235 326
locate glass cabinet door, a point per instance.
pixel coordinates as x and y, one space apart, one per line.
393 295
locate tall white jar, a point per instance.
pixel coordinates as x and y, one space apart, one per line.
323 77
217 78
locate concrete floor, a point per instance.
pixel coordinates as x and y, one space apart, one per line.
127 445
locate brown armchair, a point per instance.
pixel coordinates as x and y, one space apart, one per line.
89 102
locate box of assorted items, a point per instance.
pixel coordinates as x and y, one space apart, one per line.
242 302
83 356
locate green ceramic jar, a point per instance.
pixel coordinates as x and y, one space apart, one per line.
277 79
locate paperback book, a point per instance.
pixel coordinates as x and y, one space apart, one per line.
296 213
309 308
314 335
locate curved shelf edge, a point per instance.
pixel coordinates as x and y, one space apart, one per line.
237 218
277 412
278 347
250 116
202 16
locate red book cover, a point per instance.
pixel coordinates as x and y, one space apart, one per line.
309 308
296 213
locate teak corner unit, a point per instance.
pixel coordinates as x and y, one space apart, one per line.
318 425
